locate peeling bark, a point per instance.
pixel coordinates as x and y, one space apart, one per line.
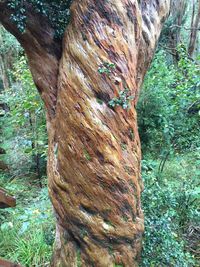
95 182
94 149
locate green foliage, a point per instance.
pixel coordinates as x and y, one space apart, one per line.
106 67
122 100
168 122
8 43
9 51
86 154
124 97
78 255
170 202
24 136
56 11
168 110
185 101
168 114
27 231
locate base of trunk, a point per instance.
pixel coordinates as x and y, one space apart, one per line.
69 253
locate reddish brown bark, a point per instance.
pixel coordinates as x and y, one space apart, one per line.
4 263
94 150
95 182
6 200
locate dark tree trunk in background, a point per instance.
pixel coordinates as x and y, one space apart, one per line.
178 10
94 150
195 23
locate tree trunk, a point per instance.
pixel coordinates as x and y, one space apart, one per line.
194 30
178 12
94 148
94 156
3 73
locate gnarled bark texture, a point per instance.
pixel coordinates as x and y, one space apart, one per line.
95 184
94 150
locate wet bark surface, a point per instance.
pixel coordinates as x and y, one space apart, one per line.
94 148
95 184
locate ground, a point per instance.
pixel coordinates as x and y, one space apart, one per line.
170 202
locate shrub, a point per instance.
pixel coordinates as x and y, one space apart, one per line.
168 110
170 205
27 232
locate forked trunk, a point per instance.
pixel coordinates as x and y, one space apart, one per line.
94 147
94 156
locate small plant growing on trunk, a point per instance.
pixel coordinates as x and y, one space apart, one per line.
106 67
122 100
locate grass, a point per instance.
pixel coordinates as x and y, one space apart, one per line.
27 231
170 202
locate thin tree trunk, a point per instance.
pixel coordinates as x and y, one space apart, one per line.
178 11
34 146
94 148
194 30
3 73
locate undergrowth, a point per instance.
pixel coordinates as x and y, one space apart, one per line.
26 231
170 202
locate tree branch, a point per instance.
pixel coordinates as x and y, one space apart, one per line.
43 51
183 27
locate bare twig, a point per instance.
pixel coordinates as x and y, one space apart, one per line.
183 27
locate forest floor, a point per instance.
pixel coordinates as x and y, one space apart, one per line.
27 231
170 203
